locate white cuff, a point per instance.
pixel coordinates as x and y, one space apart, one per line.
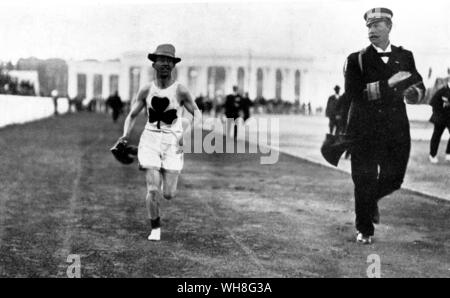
420 93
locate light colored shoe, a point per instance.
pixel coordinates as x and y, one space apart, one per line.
360 238
447 157
155 235
433 159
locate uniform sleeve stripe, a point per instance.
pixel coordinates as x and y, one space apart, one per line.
373 91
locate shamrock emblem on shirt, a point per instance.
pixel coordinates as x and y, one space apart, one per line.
157 112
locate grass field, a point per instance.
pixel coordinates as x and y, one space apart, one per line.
63 193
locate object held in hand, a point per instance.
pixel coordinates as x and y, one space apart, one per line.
123 152
413 94
398 77
333 147
445 102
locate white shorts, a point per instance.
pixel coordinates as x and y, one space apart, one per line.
160 150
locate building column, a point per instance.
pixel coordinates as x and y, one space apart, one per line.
269 83
105 85
144 77
186 79
251 89
292 84
300 83
287 89
72 80
284 84
192 84
182 72
124 82
89 85
304 86
230 79
202 80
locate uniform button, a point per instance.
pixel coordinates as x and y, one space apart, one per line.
379 111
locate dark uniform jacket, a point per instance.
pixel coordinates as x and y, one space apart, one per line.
331 109
245 106
232 105
114 102
342 107
377 110
440 115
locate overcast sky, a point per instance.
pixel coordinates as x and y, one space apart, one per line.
104 29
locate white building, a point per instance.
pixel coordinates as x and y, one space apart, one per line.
208 74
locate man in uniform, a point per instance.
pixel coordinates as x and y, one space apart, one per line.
115 102
441 120
160 151
377 80
342 108
331 110
245 106
232 107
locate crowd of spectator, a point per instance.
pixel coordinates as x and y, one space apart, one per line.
10 85
258 105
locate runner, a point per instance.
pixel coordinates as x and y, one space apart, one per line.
160 152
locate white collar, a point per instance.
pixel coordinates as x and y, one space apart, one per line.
380 50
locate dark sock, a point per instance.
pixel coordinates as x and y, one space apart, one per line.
155 223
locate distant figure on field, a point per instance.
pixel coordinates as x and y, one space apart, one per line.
331 111
441 120
54 95
245 106
232 107
116 105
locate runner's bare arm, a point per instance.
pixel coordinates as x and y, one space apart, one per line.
186 100
137 104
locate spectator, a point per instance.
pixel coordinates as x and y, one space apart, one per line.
54 95
116 105
331 110
342 108
441 120
200 101
245 106
232 107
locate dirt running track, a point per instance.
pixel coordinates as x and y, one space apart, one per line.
63 193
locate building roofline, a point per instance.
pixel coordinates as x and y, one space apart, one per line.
227 55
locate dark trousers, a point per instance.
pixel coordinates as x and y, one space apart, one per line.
436 138
378 169
342 123
115 114
333 125
233 116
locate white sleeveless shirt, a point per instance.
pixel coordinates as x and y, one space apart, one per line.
163 109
